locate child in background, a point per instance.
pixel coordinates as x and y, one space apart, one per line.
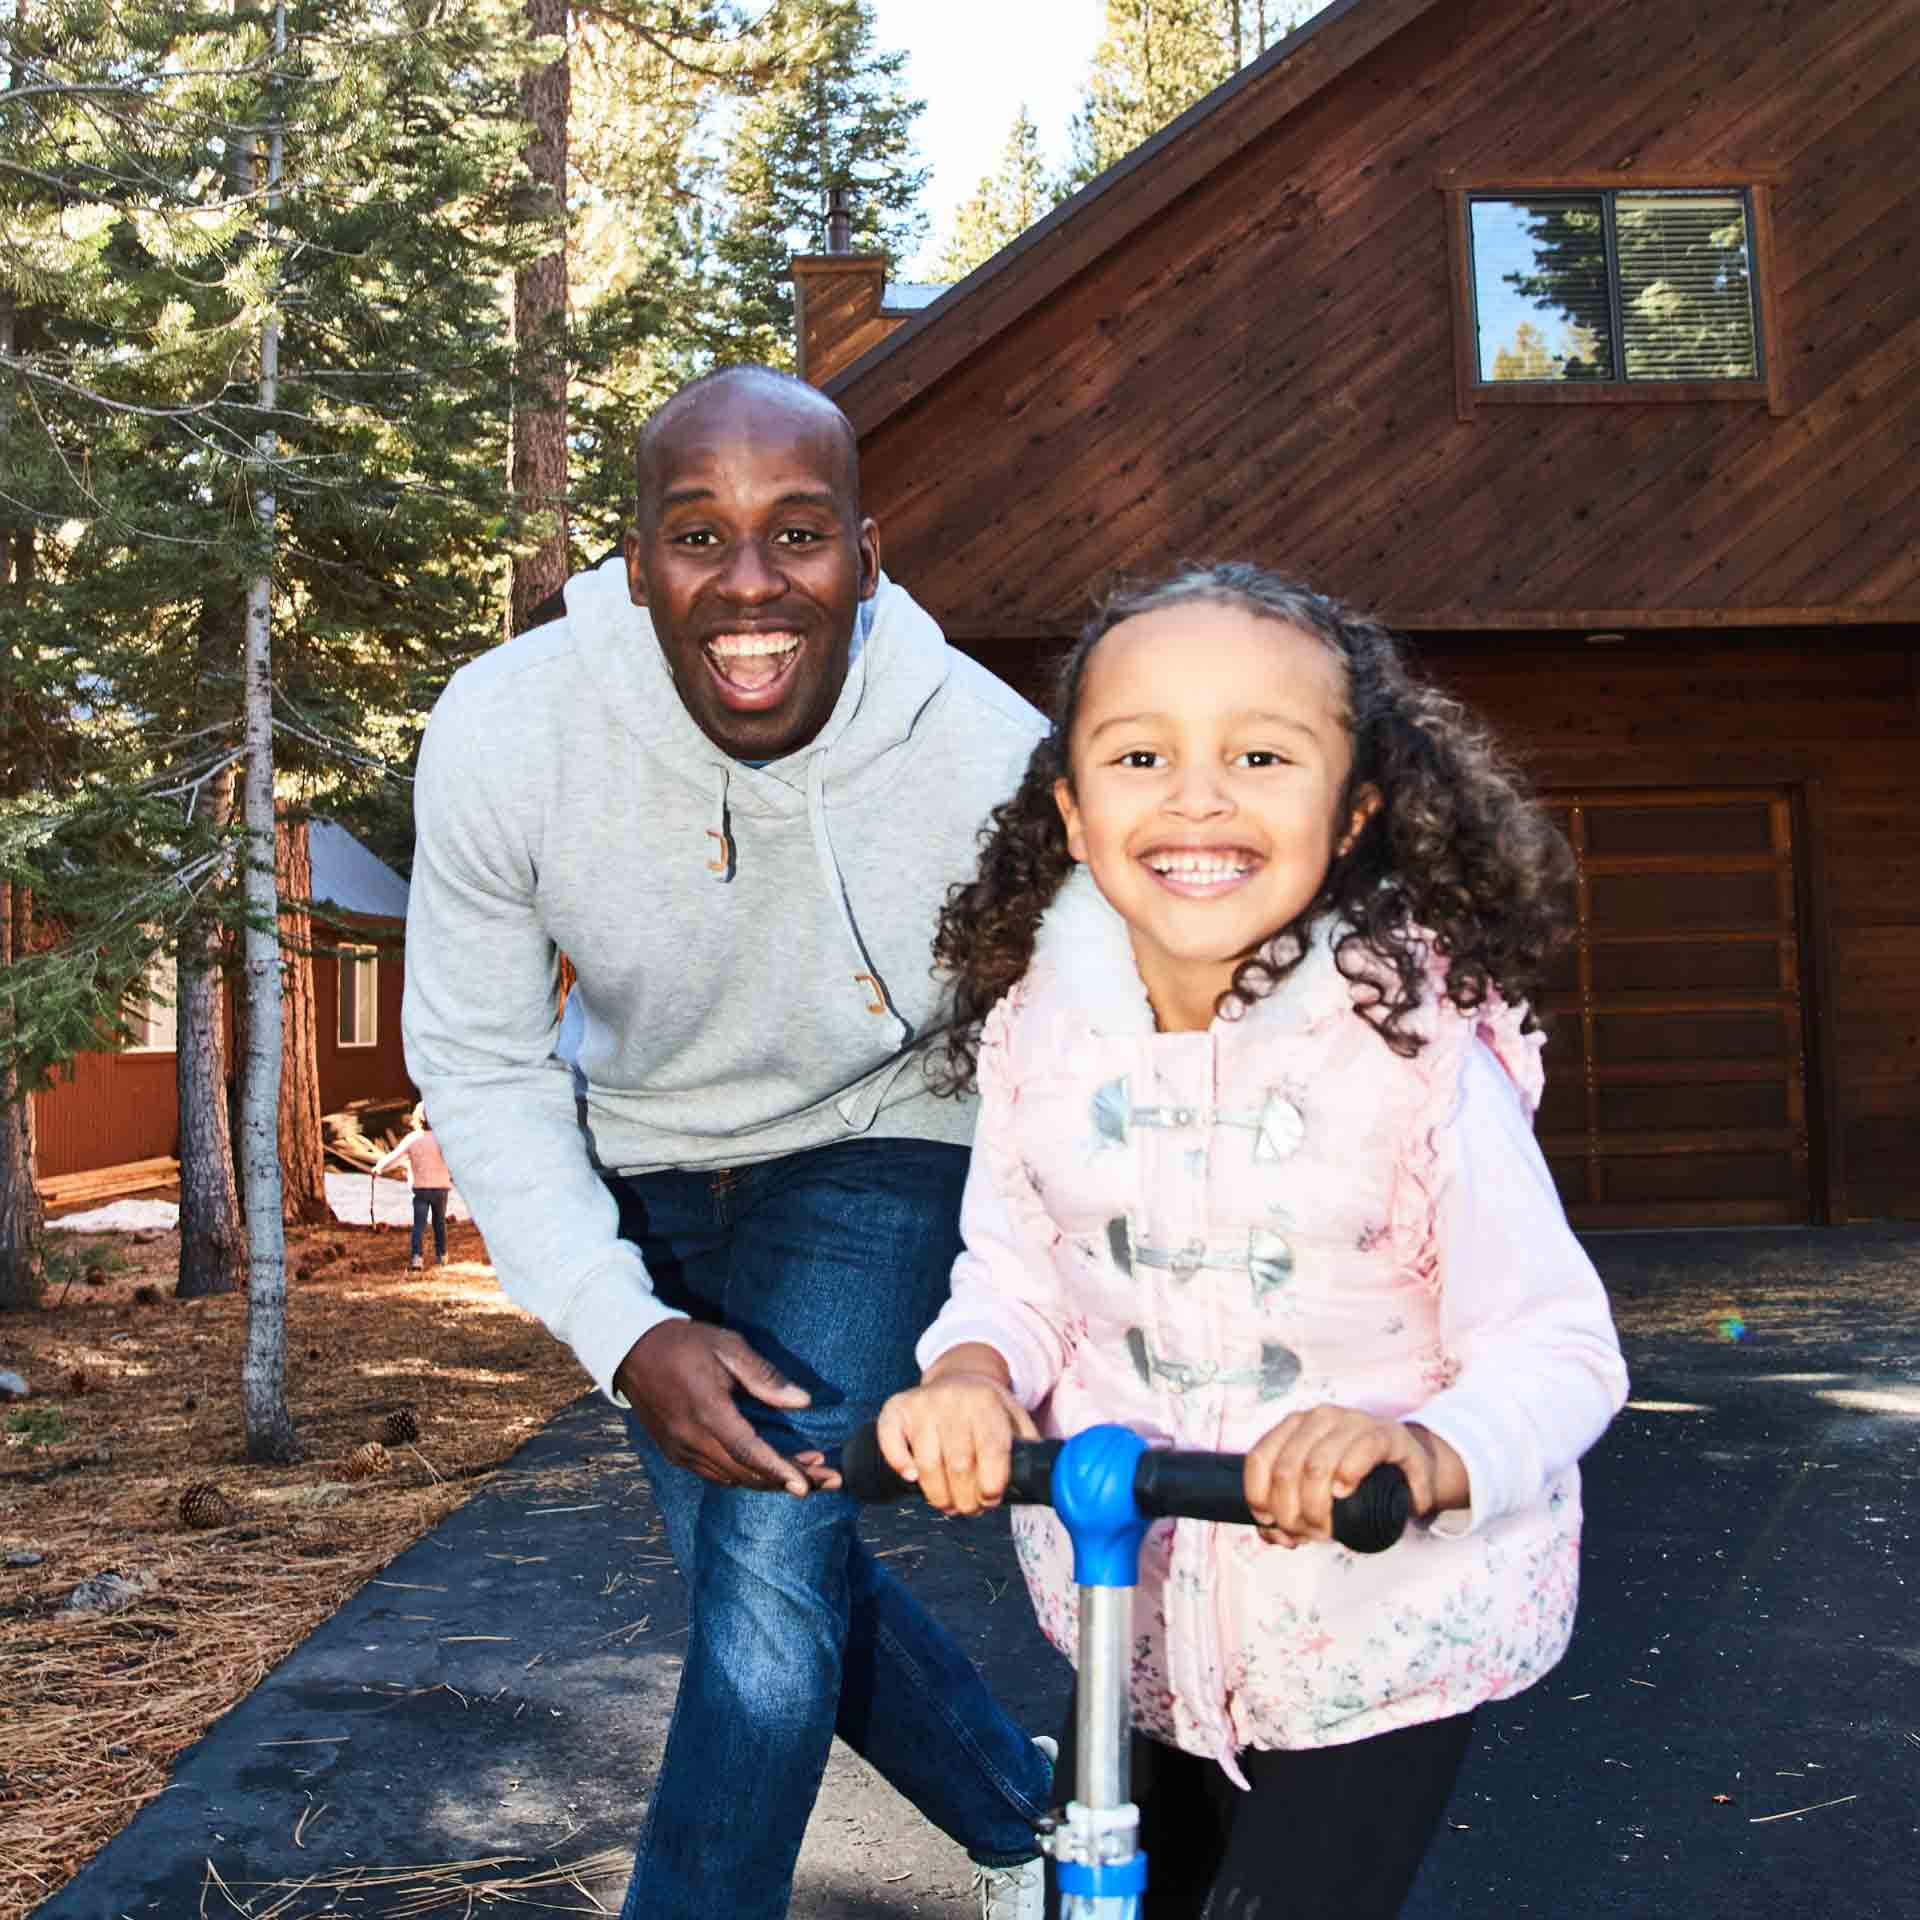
431 1182
1254 1172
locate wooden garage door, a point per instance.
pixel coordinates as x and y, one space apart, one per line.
1676 1070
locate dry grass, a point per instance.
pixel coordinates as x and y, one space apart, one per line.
145 1400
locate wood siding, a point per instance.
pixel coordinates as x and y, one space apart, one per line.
378 1072
110 1108
1828 723
107 1109
1266 369
838 310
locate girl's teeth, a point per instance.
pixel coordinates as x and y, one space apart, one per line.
1198 867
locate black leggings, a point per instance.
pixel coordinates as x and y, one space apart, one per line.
1328 1833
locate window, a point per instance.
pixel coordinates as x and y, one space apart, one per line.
151 1013
1574 291
359 996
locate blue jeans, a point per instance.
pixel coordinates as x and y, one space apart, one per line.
830 1263
430 1203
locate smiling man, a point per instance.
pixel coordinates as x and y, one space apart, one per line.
731 784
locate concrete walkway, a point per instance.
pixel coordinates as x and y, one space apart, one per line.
1749 1647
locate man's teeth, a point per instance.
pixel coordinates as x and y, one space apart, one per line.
1199 866
744 646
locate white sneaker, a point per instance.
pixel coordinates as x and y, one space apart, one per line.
1016 1893
1012 1893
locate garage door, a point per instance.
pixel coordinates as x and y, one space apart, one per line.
1676 1062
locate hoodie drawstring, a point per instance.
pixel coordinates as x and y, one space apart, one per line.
878 999
721 863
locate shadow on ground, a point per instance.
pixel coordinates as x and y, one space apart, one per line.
1748 1648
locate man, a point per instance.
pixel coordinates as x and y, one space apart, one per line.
732 784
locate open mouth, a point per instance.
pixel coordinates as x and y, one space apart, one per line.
1200 873
753 668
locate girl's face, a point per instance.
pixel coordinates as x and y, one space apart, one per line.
1209 756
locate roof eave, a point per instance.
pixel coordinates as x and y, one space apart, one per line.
995 295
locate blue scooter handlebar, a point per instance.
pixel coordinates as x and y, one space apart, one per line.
1166 1485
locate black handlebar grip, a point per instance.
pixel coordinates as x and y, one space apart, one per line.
1211 1486
864 1472
1192 1486
1374 1515
1030 1480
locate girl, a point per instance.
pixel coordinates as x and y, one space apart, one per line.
1254 1173
431 1182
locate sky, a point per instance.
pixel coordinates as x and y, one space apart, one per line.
974 62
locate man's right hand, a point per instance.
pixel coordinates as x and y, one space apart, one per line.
680 1380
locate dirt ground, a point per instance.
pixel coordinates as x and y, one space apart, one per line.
135 1397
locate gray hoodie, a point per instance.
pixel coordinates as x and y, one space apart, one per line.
752 945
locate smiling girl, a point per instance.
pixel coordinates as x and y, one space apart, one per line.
1242 981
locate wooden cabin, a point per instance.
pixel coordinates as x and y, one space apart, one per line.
114 1110
1578 339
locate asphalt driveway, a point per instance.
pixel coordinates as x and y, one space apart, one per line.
1736 1730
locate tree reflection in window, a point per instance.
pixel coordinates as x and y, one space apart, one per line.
1641 286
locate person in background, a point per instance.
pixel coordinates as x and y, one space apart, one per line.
732 785
1242 982
431 1182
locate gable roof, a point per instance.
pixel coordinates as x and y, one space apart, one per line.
996 295
351 876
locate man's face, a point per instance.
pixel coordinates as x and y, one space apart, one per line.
751 558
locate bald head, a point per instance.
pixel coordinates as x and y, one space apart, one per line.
742 402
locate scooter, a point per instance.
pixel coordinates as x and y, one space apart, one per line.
1108 1486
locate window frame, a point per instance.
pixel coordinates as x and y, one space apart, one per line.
354 956
1471 392
150 1000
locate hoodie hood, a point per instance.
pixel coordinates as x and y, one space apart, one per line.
900 662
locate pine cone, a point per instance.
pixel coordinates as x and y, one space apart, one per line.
401 1428
367 1461
204 1505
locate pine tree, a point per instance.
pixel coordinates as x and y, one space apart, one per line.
645 198
832 112
540 326
1007 202
276 389
1157 57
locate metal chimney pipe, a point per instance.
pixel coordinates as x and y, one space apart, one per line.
839 220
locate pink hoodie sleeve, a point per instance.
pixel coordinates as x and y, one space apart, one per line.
1523 1314
1005 1293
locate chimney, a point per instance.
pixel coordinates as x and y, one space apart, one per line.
839 220
839 298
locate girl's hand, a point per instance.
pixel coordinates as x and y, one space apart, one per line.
1313 1458
953 1434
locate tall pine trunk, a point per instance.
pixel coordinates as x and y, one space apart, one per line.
263 1370
213 1241
21 1216
303 1161
539 457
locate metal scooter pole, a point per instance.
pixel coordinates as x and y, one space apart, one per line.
1109 1486
1095 1843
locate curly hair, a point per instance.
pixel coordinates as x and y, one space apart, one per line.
1458 860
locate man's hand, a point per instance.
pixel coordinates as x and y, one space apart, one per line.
680 1381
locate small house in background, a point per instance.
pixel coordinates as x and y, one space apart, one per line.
118 1110
359 932
1579 342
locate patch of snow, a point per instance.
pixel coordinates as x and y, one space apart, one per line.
390 1201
